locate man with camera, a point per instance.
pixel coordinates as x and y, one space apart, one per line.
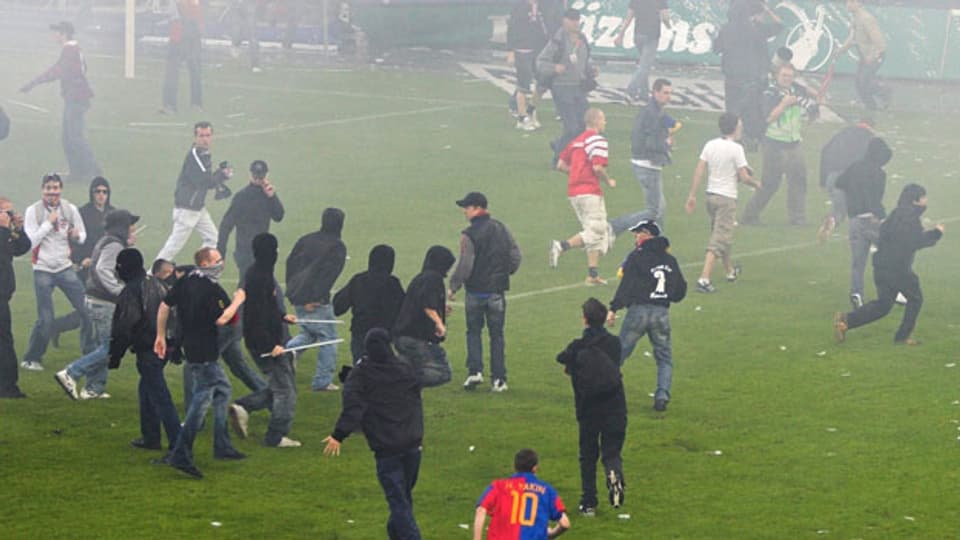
250 212
13 243
197 177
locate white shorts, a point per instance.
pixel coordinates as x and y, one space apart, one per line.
592 213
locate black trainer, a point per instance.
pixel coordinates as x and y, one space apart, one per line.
191 470
140 443
231 454
660 405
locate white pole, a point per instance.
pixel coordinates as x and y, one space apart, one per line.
326 30
310 346
130 41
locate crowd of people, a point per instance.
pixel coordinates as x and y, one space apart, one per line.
181 314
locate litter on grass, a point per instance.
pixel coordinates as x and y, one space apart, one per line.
845 374
909 518
623 516
216 523
350 521
464 526
951 364
783 347
832 429
822 353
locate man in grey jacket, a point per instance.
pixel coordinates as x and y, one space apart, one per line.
103 290
565 61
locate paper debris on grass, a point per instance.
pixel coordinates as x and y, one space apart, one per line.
716 453
909 518
822 353
350 521
698 308
216 523
831 429
464 526
951 364
823 531
623 516
447 147
646 353
845 374
956 402
783 347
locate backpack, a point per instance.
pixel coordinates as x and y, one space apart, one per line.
596 374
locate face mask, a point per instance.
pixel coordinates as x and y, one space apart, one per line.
920 209
213 272
170 280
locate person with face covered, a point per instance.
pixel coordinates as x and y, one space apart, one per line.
901 236
313 266
263 334
103 290
135 328
250 212
421 323
52 224
375 296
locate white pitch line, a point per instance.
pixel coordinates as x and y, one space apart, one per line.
28 106
337 121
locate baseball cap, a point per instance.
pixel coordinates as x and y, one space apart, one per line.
647 225
64 27
259 168
474 198
120 218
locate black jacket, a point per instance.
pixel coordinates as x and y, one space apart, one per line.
648 139
262 317
316 261
651 275
865 181
12 244
581 362
901 235
526 30
425 291
488 257
93 222
842 150
250 213
135 316
381 396
197 176
742 44
375 295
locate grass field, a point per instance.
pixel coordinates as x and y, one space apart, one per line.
858 440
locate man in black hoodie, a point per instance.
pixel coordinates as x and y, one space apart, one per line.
848 146
593 364
13 243
313 267
375 296
901 235
135 328
94 215
863 184
250 212
421 324
263 334
651 281
381 396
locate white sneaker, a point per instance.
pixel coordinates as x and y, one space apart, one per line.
528 125
288 443
87 394
239 419
901 299
32 366
555 251
473 380
520 123
328 388
66 382
499 385
534 121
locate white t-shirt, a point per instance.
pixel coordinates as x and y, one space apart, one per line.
724 158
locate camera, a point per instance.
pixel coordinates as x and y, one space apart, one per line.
221 175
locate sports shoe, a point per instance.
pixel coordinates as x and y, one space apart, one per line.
856 300
592 281
286 442
826 229
191 470
534 121
660 405
473 380
31 366
704 286
555 250
909 342
615 488
239 419
328 388
499 385
840 326
521 120
901 299
587 511
231 454
67 383
140 443
90 394
527 125
735 274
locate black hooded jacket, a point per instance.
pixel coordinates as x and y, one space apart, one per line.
584 363
262 317
843 150
135 317
382 397
93 221
742 43
316 261
651 275
375 295
425 291
864 182
902 234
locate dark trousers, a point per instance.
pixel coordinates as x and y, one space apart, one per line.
156 404
601 437
177 53
83 166
8 356
888 285
571 104
398 476
280 396
779 160
246 13
742 97
356 344
868 84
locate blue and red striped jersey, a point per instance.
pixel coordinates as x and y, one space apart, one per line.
521 507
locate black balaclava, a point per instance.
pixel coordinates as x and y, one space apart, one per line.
265 251
439 259
381 259
130 265
377 344
332 221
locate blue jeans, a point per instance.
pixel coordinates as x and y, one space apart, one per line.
210 385
229 342
838 198
398 476
429 359
93 365
571 104
639 86
491 308
656 204
314 332
280 396
156 404
43 285
864 231
654 321
83 166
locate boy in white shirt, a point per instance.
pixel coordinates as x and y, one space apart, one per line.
726 162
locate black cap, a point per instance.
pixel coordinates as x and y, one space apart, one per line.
259 169
572 14
647 225
474 198
120 218
64 27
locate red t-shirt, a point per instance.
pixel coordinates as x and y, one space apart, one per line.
582 154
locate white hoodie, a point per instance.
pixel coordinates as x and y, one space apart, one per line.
51 243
